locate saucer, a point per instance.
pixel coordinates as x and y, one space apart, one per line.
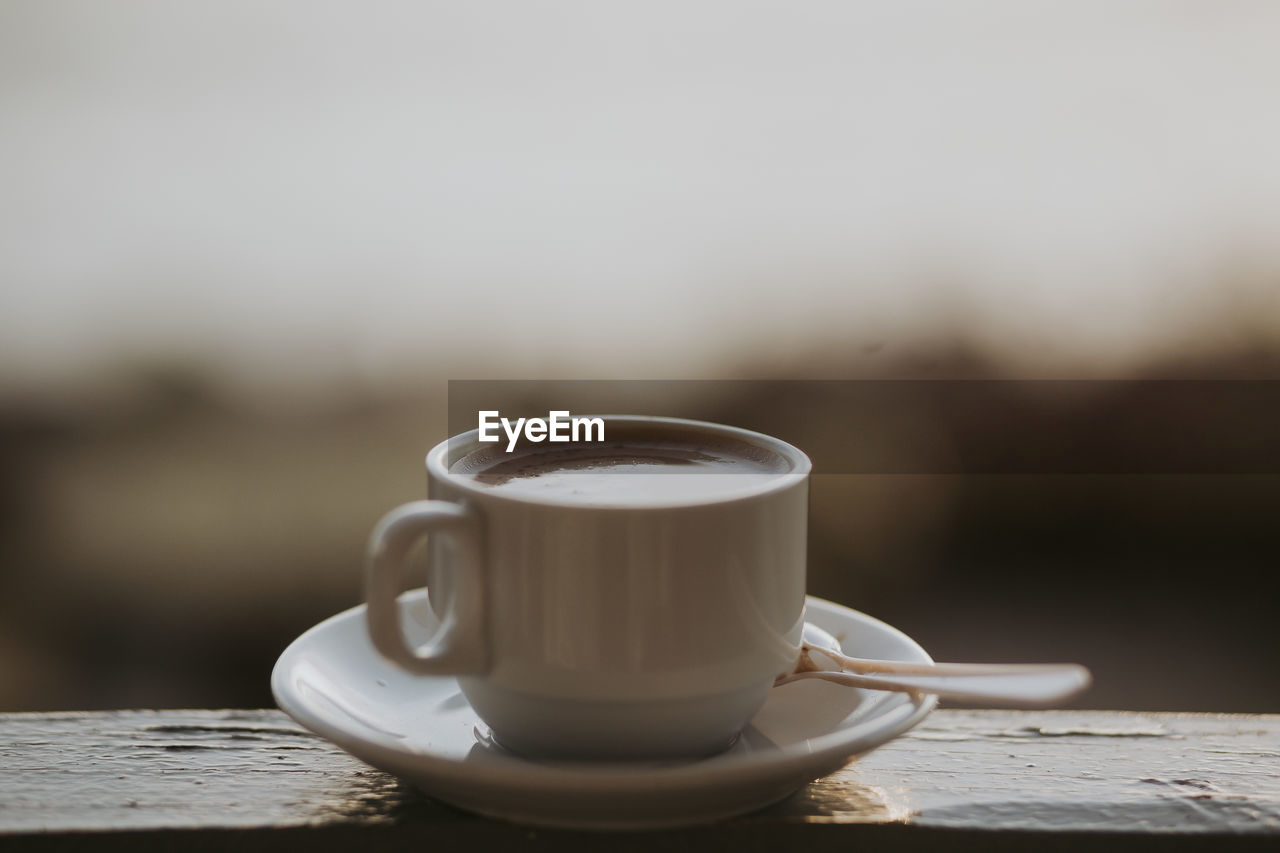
421 729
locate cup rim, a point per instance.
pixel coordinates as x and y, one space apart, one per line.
443 455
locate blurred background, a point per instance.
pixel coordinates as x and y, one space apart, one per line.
244 247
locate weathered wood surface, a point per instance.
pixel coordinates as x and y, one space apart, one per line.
984 779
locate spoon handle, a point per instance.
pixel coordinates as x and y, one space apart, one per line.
1005 684
868 666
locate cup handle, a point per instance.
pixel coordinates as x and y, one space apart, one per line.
459 646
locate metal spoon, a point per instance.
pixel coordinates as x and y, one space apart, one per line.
1006 684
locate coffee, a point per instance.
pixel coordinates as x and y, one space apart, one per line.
629 468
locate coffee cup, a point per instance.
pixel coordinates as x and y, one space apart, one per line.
631 598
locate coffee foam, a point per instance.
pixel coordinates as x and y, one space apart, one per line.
630 469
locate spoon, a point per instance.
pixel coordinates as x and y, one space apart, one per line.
1007 684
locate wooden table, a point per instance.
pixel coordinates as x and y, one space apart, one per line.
986 780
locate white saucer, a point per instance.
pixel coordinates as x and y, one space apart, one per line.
422 729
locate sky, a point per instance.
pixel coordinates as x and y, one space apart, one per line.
319 192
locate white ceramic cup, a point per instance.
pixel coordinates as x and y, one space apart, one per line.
641 629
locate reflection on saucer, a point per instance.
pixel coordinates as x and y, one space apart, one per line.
489 748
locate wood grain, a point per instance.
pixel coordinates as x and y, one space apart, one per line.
983 779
